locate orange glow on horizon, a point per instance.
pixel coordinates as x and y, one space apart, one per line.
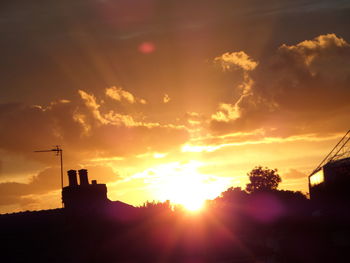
194 205
182 184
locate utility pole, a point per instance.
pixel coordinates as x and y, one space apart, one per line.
59 152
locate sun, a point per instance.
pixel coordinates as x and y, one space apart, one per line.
188 190
182 184
194 205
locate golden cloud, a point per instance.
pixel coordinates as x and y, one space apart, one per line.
119 94
91 103
226 112
166 98
89 127
234 60
309 50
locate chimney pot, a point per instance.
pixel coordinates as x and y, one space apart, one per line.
72 178
83 176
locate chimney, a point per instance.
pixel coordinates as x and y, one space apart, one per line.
72 178
83 177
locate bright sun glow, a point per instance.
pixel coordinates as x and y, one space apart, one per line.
183 184
194 204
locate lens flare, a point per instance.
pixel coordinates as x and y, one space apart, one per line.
147 47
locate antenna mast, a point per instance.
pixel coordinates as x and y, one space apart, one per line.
59 152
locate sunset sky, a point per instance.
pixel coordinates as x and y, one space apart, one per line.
175 99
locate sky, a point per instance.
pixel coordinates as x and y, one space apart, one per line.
168 99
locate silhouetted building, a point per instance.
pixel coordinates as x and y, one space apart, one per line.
331 182
83 195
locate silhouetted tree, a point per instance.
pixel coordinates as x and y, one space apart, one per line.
157 205
263 179
232 194
230 202
291 195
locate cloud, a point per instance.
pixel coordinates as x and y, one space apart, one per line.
109 118
227 112
195 119
85 126
45 181
24 128
119 94
298 90
306 52
213 143
234 60
294 174
166 98
91 103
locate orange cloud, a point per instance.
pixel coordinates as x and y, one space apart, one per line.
90 128
294 174
166 98
110 117
216 142
228 112
91 103
119 94
234 60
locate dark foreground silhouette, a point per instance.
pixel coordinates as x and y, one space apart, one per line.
266 226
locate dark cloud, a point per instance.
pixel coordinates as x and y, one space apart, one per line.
303 88
23 127
62 46
45 181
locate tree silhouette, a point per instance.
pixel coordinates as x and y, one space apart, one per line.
263 179
232 194
157 205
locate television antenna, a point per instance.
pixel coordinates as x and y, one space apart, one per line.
59 152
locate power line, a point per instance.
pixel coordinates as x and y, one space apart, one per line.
339 151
